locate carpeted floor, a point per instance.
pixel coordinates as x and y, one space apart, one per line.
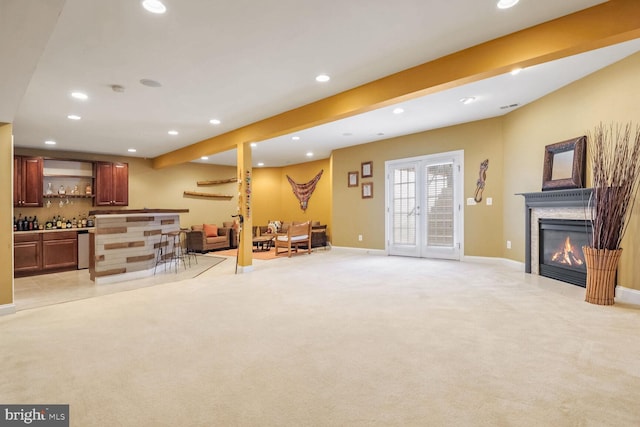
338 338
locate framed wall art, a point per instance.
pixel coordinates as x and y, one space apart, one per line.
367 169
367 190
352 179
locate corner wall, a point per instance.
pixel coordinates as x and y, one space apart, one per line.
608 95
273 197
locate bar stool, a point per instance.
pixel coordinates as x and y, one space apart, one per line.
186 247
178 246
163 256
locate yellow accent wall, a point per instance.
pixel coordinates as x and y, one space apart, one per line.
6 215
267 197
274 198
608 95
353 215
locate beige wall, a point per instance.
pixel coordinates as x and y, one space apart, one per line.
608 95
157 188
6 215
480 140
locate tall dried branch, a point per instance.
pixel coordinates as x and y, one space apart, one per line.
615 161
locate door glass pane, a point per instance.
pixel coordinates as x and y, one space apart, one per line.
439 199
404 203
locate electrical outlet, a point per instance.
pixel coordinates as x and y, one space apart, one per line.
359 237
508 244
489 201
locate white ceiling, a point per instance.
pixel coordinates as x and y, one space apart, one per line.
243 61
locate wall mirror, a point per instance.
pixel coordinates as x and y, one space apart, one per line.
564 164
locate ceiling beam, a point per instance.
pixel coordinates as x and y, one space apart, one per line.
603 25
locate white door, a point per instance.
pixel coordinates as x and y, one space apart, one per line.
424 206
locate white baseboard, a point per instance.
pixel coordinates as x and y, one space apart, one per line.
245 269
364 251
7 309
494 260
627 295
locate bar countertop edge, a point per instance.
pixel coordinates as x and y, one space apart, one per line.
136 211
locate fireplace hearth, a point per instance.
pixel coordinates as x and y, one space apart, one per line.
561 256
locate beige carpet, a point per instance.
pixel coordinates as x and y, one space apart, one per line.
337 338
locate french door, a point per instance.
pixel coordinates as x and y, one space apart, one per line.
424 206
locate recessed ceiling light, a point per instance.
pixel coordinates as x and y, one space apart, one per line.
204 158
295 138
150 83
50 142
468 100
506 4
132 150
398 110
73 117
516 71
154 6
215 121
80 95
323 78
260 164
253 145
309 154
173 132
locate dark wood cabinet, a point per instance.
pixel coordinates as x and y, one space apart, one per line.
44 252
27 253
112 184
60 250
27 181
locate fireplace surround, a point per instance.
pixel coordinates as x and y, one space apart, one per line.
571 204
560 249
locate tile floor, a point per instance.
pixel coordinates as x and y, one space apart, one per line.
56 288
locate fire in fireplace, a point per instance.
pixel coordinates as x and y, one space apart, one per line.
568 254
561 242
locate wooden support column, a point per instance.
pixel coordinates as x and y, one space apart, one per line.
7 305
245 184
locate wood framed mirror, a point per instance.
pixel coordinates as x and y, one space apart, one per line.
564 164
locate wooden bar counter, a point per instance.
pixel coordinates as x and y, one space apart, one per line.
124 243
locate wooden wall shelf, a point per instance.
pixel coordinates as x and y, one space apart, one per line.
208 195
218 182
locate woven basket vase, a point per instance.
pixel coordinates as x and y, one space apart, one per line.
602 265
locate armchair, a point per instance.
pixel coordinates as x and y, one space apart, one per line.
296 235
